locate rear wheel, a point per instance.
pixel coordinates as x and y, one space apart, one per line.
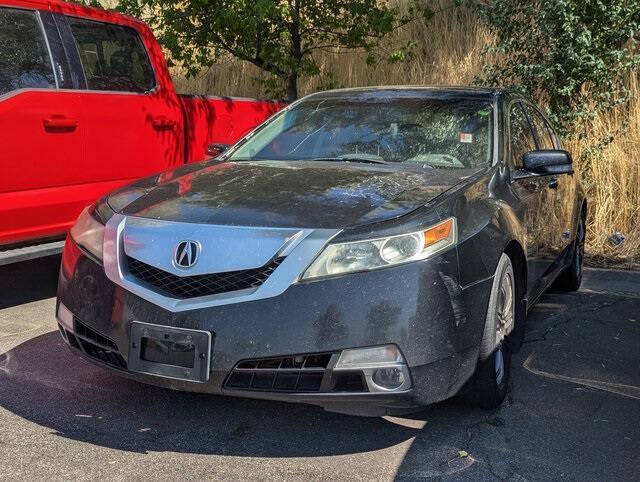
571 277
491 379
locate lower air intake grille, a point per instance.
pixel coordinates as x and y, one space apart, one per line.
200 285
303 374
95 345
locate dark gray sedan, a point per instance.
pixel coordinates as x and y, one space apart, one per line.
368 250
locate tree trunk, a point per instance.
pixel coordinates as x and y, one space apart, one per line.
296 53
292 87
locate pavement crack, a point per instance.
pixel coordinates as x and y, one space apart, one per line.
566 321
492 470
470 429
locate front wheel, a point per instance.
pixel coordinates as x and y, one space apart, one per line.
491 380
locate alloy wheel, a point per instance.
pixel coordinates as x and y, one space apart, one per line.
504 307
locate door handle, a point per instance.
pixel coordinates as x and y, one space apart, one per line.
161 122
553 183
59 123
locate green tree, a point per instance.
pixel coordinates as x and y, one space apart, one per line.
573 54
278 36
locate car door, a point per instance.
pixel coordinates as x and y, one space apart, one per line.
132 117
40 130
535 197
560 213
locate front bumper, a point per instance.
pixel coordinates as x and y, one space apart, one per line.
419 307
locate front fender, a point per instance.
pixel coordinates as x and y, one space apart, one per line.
487 224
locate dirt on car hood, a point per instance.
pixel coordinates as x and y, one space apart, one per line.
284 194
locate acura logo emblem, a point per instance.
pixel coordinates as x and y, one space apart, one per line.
186 254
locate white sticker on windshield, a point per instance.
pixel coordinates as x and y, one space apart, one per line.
466 137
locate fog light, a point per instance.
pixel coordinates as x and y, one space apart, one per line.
383 367
370 357
389 378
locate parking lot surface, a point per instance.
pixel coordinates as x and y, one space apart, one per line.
573 411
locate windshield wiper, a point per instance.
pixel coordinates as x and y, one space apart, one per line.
367 160
364 160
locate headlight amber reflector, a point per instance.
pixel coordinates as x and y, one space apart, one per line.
377 253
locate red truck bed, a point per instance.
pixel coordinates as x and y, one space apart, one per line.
211 119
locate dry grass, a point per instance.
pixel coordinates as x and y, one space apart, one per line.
449 52
612 181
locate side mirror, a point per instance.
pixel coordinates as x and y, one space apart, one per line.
548 161
214 150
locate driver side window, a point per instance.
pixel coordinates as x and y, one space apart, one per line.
521 138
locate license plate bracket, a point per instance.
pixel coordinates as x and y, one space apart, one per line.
166 351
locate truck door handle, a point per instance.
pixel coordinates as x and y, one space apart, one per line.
553 183
161 122
59 123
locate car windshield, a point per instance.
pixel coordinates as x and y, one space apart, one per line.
431 132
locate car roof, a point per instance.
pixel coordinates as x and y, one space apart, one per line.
488 93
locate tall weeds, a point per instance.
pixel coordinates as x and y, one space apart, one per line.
450 52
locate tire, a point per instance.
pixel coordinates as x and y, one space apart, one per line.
571 277
490 381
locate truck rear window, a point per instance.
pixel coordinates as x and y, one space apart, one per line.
113 56
24 58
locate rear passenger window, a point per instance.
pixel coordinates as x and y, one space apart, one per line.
24 57
113 56
521 138
543 133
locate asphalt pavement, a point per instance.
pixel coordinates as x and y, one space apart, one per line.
573 411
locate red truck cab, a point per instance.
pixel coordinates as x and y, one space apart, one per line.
87 104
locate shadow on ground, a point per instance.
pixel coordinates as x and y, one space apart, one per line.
47 384
550 427
28 281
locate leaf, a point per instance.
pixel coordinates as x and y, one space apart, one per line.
574 53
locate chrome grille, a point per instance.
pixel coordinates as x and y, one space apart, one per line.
184 287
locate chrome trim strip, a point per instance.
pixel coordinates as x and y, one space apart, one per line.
301 249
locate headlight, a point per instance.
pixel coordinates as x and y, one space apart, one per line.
378 253
88 233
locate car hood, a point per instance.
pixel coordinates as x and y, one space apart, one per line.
284 194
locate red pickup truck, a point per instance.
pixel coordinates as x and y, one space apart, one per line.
86 105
